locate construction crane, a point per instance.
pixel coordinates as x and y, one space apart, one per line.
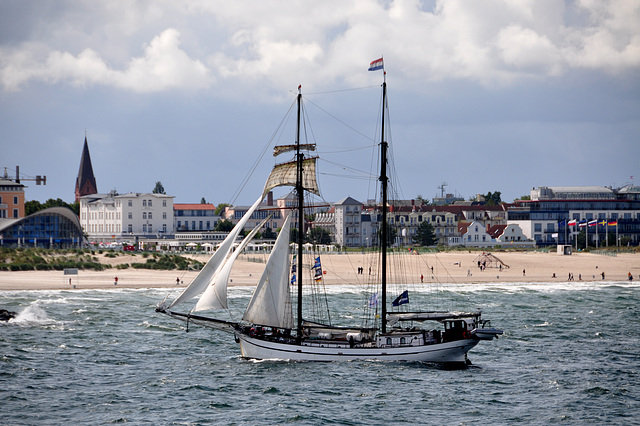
39 180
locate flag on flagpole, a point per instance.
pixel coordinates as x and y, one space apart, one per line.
562 223
593 222
373 300
402 299
582 223
378 64
602 222
573 222
613 223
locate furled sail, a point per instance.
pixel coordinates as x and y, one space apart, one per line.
271 301
215 296
285 175
202 280
281 149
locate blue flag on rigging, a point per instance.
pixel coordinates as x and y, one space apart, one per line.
378 64
402 299
316 264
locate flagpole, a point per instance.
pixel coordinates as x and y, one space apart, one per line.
606 232
586 233
597 238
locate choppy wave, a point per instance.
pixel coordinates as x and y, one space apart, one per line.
569 354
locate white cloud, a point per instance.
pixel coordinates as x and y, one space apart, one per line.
277 42
526 50
163 66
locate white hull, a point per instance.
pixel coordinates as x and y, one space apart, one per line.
449 352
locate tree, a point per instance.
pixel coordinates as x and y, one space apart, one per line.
492 199
159 189
391 234
319 236
523 197
220 208
293 235
224 226
31 207
203 201
425 235
268 234
421 200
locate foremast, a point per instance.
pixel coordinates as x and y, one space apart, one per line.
300 193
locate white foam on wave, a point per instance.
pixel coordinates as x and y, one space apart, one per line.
33 314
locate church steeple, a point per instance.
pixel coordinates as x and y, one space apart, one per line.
85 182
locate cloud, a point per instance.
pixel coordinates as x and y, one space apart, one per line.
273 43
163 66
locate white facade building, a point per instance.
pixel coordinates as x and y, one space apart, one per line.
348 232
114 217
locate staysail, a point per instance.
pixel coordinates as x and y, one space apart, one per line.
202 280
271 301
215 296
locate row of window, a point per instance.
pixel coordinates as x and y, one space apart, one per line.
116 215
15 200
3 213
115 229
147 203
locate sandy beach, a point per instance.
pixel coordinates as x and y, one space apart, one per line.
448 267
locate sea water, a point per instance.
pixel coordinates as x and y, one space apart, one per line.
570 354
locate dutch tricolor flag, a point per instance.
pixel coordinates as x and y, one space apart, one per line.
378 64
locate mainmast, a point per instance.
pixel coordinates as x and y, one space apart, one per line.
300 193
384 181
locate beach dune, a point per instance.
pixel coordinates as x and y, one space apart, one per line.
448 267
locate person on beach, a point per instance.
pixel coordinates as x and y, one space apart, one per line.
178 281
115 282
421 278
524 274
602 275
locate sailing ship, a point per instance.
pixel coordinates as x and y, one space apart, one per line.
270 330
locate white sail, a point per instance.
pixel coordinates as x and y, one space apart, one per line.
202 280
215 296
271 301
285 175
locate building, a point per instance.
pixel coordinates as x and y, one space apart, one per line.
348 232
194 217
474 234
85 182
509 235
11 198
447 199
114 217
55 227
547 216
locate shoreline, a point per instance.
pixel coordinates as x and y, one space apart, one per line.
342 269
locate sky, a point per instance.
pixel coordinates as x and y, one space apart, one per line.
497 95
